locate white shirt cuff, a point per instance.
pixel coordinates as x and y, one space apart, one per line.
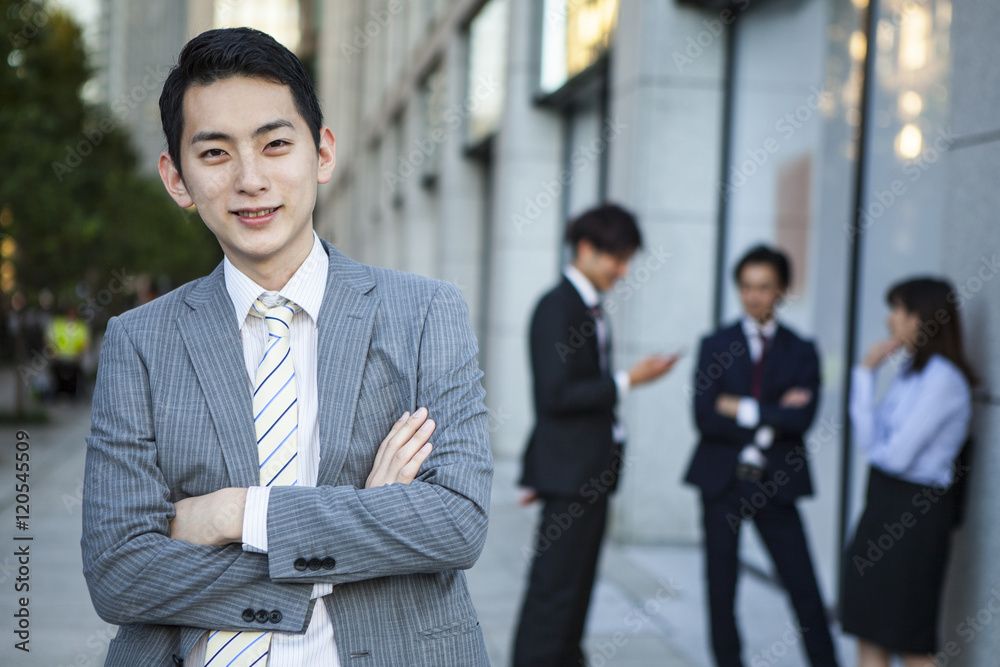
255 519
748 414
623 384
319 590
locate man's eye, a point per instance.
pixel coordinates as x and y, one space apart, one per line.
278 143
213 152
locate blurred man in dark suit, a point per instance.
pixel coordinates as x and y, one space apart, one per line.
573 457
755 397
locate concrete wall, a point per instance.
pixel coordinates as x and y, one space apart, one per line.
970 242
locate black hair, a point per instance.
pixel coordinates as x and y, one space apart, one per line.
608 227
220 54
932 301
773 257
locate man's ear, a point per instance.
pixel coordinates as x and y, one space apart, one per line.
173 182
585 250
327 155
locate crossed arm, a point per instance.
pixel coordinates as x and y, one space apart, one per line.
138 571
216 518
716 411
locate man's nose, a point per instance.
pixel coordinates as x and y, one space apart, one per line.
250 177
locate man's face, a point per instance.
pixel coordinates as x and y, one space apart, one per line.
760 291
603 269
251 168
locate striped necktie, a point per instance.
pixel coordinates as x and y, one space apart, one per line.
276 423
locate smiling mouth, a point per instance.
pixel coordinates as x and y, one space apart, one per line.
256 213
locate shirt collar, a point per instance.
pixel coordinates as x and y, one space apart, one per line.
306 287
583 285
752 328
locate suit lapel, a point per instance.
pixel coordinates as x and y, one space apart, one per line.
775 352
211 334
743 363
577 305
346 320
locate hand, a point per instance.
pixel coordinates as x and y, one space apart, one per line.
401 454
728 405
651 368
214 519
796 397
879 352
527 497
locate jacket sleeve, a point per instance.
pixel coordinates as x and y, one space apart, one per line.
436 523
796 421
711 424
554 345
135 572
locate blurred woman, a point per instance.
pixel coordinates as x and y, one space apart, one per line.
895 566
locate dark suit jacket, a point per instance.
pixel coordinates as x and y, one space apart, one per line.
572 444
725 367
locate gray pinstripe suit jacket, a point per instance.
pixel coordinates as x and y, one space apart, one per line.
172 418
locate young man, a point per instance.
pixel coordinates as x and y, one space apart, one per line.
242 502
573 458
757 387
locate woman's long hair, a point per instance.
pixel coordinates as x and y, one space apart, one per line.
933 301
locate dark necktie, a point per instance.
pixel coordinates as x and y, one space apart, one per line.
602 336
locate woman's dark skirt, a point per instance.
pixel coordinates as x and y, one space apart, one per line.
895 567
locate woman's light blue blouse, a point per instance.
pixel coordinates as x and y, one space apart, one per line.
918 429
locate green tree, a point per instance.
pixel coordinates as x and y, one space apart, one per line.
65 225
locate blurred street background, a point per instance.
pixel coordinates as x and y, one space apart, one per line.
860 136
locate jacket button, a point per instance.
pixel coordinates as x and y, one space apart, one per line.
315 564
177 661
262 616
328 563
300 564
248 615
276 616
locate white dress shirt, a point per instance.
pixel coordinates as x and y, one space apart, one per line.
920 426
591 299
306 288
748 414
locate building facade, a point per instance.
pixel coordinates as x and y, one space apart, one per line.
858 137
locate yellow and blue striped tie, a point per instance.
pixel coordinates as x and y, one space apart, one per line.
276 422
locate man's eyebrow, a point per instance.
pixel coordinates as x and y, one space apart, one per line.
273 125
208 135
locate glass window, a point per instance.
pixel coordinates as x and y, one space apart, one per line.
487 70
575 34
